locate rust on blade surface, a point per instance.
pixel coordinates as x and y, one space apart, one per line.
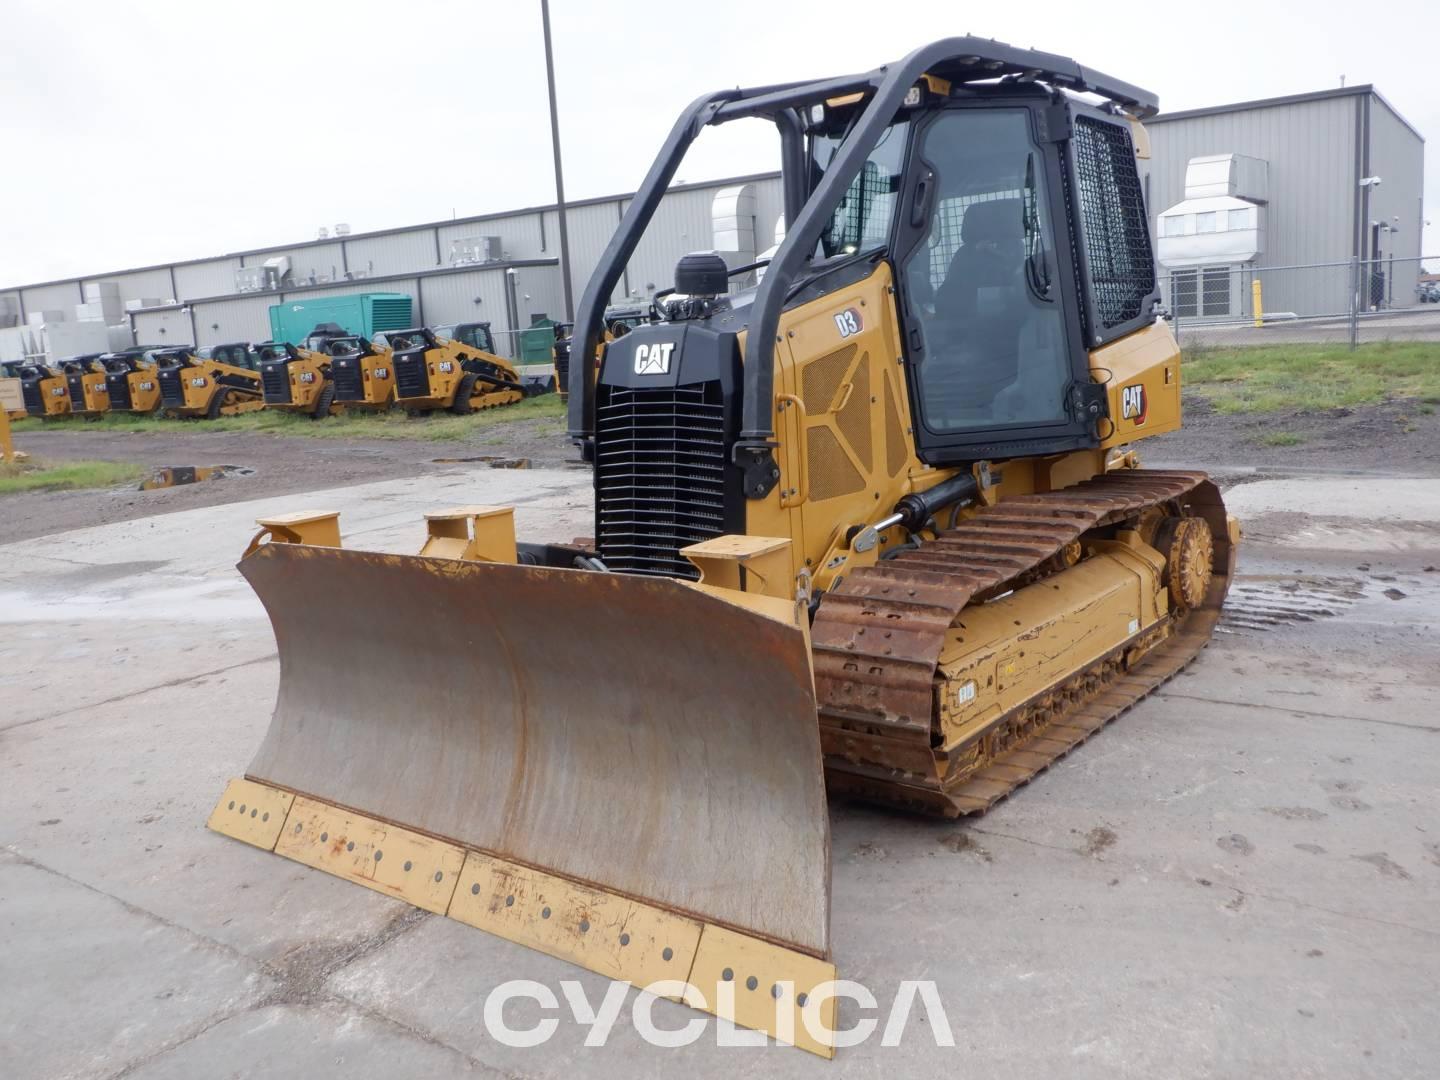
878 638
631 733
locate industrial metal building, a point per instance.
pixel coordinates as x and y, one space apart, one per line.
498 268
1282 183
1234 192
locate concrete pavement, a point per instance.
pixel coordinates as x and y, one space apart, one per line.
1241 876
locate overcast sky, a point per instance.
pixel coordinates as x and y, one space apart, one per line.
158 130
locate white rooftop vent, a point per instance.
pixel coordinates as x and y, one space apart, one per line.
342 229
324 233
1221 220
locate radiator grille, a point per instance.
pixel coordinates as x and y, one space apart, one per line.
349 385
172 387
412 379
659 476
1112 217
119 388
30 392
77 392
275 378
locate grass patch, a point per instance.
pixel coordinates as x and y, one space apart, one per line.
1271 378
1281 438
437 427
36 475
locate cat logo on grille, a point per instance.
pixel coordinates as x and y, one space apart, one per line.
653 359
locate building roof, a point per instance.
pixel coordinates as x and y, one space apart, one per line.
1290 99
442 224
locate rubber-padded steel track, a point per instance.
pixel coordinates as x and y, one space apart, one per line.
877 640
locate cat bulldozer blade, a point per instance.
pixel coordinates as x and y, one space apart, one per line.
44 389
453 368
85 381
193 385
363 373
876 523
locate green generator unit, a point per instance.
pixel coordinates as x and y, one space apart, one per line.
365 314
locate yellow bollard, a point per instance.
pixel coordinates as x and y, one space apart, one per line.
1255 302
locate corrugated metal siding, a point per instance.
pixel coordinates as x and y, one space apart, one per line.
147 283
590 229
61 297
1310 149
769 208
163 328
213 278
541 284
399 253
451 298
1398 156
232 320
682 223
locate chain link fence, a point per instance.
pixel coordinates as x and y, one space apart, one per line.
1348 303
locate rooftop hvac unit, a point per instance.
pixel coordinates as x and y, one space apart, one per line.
271 274
475 250
342 229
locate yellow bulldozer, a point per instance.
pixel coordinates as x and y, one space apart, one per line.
196 386
363 372
85 381
454 368
874 527
44 389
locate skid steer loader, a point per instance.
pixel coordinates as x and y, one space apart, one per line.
44 389
85 381
456 370
193 386
876 524
363 373
132 381
296 380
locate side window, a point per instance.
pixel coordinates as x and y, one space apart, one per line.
995 351
862 219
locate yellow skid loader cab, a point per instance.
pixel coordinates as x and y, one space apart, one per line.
85 382
363 372
45 390
196 386
132 381
460 374
295 380
875 523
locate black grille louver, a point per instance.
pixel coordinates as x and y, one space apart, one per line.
275 379
172 387
34 400
348 379
118 387
412 378
660 472
76 384
1113 223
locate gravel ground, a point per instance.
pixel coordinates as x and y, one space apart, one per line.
1398 437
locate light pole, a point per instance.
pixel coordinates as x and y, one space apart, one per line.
559 172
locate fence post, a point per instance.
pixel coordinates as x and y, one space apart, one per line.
1355 286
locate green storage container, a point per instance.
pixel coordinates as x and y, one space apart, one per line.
366 314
